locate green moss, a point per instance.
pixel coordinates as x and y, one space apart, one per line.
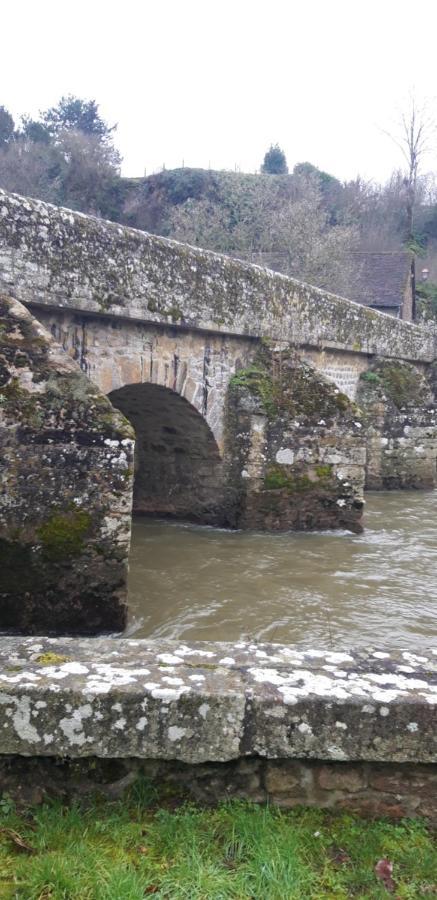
287 386
324 471
278 478
51 659
370 377
400 382
62 535
258 381
294 480
275 478
175 313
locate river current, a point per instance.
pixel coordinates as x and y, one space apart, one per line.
323 589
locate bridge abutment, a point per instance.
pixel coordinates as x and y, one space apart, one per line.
66 488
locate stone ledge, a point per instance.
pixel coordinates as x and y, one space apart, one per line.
119 698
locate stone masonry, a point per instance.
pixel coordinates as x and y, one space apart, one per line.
136 310
66 488
400 416
260 721
298 447
59 258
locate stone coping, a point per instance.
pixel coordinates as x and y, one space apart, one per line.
205 701
55 256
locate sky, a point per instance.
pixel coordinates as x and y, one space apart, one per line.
213 84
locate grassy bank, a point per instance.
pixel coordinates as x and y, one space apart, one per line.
127 850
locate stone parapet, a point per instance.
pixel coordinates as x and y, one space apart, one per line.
211 702
61 258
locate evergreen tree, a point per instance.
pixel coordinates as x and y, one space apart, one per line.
74 114
275 162
7 126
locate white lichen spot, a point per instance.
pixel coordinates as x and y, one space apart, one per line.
204 710
304 728
21 721
169 658
72 725
285 457
175 733
120 724
412 726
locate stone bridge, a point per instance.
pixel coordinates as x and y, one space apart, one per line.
256 401
240 383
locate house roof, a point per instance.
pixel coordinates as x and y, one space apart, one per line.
381 278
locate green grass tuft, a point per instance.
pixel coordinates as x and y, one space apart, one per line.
129 849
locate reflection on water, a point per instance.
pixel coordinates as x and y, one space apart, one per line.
324 589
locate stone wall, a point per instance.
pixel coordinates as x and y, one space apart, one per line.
400 417
180 471
66 479
369 789
261 721
297 446
60 258
115 353
339 366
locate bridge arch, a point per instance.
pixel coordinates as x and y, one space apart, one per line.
178 465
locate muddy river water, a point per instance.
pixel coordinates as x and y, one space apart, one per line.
320 589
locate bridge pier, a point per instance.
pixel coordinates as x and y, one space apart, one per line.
400 417
297 445
66 483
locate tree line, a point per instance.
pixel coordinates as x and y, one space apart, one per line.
66 156
307 220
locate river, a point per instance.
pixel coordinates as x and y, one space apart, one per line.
323 589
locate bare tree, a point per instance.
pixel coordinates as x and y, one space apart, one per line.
416 128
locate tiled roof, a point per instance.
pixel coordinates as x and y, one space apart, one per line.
381 278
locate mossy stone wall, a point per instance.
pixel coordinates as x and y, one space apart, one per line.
296 443
66 476
400 416
56 257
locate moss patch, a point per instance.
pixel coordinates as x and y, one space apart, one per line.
51 659
399 382
278 477
62 535
258 380
286 386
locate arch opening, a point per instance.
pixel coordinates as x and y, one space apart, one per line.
179 472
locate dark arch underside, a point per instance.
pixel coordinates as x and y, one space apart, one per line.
178 468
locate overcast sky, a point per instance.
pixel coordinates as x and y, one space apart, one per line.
209 83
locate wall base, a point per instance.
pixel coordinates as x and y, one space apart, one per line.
369 789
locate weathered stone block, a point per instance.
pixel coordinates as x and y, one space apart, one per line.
286 777
66 478
342 778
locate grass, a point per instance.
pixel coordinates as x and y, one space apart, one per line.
127 850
